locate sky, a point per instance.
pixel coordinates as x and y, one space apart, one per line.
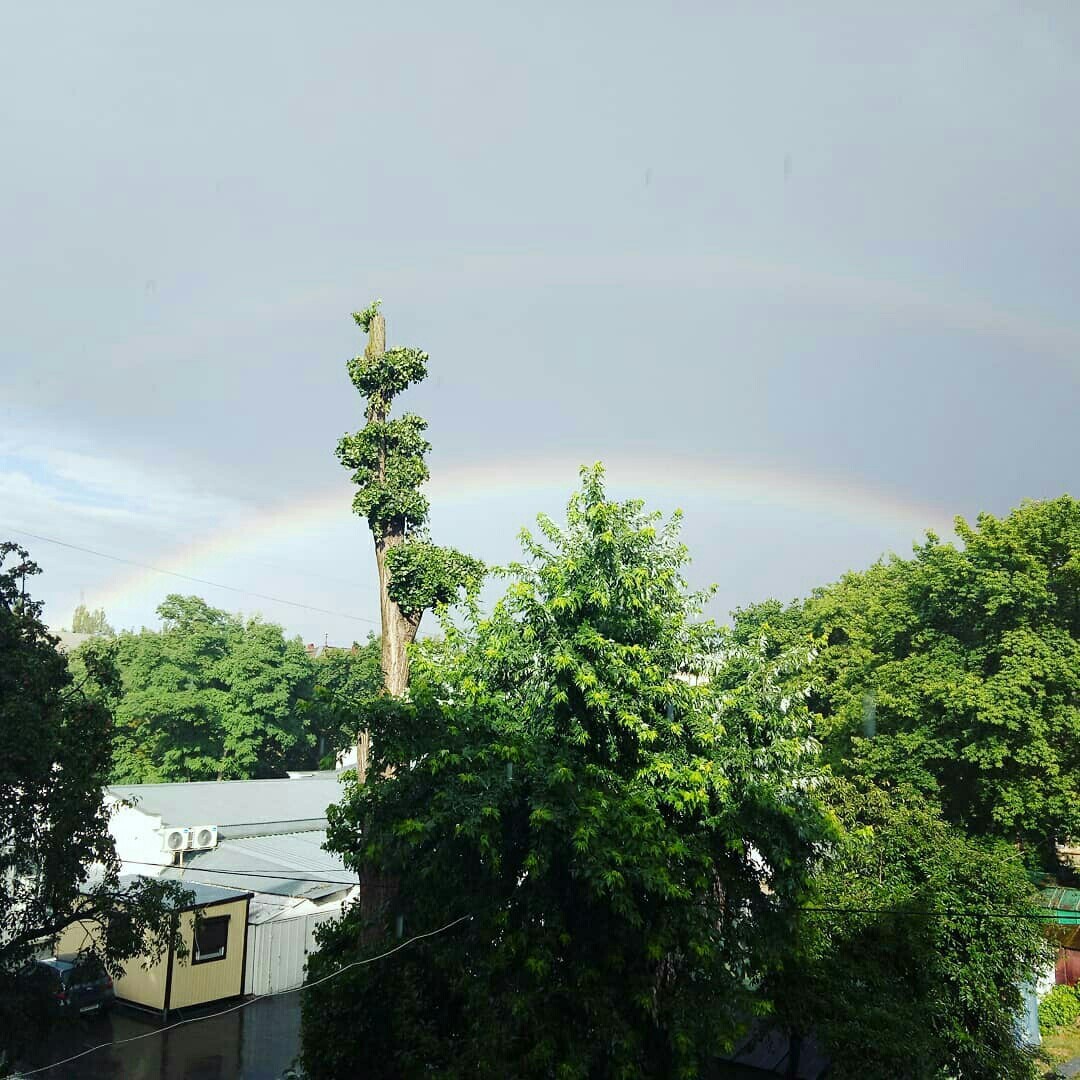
806 272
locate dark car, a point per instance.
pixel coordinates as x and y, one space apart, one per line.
73 983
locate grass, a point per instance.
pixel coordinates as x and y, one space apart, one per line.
1062 1045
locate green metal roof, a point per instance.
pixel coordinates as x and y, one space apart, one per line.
1064 903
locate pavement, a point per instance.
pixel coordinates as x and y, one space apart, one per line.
257 1042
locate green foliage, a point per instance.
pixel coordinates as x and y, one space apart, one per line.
424 576
55 750
631 843
1060 1007
380 379
387 459
971 659
363 318
895 977
90 622
210 696
346 681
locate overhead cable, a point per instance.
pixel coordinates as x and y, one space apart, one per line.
196 580
237 1008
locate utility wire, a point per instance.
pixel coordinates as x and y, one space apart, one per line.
244 873
242 1005
188 577
440 930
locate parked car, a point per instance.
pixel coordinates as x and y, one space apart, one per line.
72 983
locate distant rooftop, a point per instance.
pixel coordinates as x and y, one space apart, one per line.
69 641
201 894
242 807
255 861
1065 904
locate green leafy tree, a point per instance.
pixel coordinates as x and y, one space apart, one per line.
895 973
346 682
209 696
387 460
629 843
55 750
267 676
957 672
94 622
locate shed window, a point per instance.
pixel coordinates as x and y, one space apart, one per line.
211 937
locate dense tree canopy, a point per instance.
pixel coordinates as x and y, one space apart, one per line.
957 672
55 750
209 696
631 844
893 970
346 681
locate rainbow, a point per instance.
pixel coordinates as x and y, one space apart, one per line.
666 480
933 303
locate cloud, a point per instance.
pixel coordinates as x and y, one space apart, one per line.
48 488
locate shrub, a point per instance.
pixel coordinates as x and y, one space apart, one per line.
1061 1006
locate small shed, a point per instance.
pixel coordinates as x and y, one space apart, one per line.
1064 931
214 967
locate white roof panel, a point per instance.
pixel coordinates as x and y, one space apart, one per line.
255 863
233 803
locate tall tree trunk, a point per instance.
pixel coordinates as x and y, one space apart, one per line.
398 631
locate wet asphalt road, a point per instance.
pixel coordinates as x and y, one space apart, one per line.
257 1042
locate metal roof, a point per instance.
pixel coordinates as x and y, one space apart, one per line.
235 803
254 862
202 893
1064 902
69 641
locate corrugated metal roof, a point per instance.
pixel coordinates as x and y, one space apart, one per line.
272 828
253 863
232 803
1065 904
202 893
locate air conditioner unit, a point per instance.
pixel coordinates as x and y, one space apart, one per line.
203 837
176 840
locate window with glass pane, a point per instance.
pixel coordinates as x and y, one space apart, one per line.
211 937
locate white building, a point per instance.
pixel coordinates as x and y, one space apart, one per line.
260 836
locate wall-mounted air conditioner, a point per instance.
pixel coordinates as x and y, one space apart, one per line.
176 840
203 837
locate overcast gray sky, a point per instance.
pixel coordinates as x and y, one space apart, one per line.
807 271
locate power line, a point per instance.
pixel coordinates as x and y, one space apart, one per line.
440 930
242 1005
188 577
244 873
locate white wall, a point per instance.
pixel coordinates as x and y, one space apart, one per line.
278 951
138 840
278 948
